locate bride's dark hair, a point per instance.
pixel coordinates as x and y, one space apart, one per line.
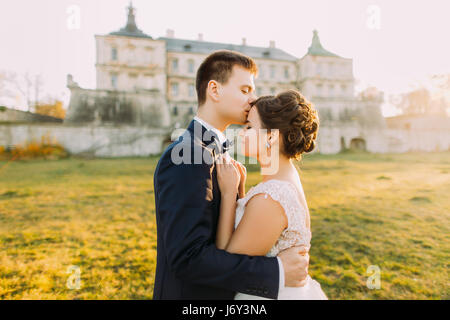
294 117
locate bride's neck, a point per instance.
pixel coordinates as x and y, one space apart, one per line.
285 169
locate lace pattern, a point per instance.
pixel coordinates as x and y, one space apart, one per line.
297 232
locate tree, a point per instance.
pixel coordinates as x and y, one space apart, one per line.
25 85
54 110
441 93
7 95
415 102
434 100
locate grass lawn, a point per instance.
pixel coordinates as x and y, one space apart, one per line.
390 211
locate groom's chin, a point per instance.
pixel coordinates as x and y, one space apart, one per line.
242 121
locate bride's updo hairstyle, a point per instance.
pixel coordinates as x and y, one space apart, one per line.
294 117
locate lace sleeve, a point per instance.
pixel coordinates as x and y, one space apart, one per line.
286 194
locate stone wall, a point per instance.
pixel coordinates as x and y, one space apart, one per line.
427 140
334 138
122 141
138 108
101 141
12 115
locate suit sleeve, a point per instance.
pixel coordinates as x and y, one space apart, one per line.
185 220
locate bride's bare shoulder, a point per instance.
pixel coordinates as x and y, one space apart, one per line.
263 206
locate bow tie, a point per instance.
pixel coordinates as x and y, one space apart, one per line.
220 148
226 145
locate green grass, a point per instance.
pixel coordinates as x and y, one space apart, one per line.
391 211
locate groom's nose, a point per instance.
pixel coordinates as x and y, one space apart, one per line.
252 97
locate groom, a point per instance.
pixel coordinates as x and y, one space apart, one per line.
187 199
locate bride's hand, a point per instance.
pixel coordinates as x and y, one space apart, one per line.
243 176
228 175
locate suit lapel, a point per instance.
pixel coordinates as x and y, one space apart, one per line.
209 140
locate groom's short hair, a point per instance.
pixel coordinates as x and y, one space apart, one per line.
218 66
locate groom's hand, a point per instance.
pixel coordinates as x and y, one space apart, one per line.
295 263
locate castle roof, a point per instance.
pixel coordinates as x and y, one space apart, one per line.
131 29
197 46
316 48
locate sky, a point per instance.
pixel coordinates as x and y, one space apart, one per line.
394 44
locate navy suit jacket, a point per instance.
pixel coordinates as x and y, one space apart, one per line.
187 203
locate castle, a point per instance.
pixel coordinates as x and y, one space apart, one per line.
145 82
150 82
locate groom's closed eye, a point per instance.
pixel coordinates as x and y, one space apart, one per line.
246 89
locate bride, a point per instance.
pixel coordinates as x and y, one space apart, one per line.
273 215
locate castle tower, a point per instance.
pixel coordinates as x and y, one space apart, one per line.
130 80
325 75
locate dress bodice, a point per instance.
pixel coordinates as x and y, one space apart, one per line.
284 192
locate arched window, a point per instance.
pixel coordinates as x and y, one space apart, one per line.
358 144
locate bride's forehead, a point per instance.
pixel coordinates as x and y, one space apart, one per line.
253 116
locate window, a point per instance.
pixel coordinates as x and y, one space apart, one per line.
272 72
114 54
191 66
343 88
343 69
319 68
174 89
286 72
148 80
261 71
174 65
114 80
191 90
191 110
319 89
272 91
133 80
175 111
331 68
331 89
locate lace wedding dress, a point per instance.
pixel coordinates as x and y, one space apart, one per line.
297 233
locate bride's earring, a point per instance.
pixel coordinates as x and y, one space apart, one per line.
268 145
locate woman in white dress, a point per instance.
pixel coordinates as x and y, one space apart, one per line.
273 215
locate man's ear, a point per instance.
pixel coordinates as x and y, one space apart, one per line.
213 90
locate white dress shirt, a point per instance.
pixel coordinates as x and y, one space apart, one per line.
222 139
219 133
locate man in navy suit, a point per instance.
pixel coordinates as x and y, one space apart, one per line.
187 199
